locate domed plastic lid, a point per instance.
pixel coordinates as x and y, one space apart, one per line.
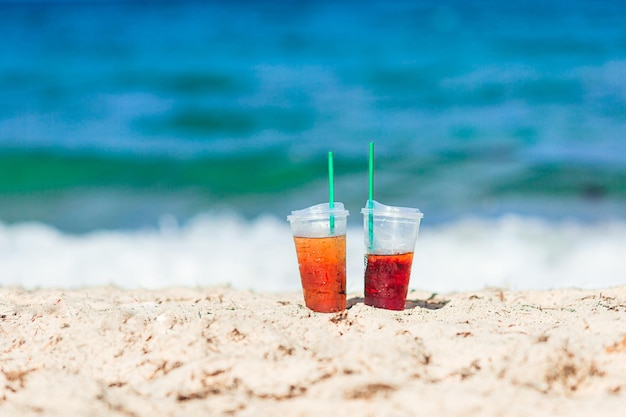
379 209
319 211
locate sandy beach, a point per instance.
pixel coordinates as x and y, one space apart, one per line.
219 351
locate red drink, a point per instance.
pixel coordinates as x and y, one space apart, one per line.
322 262
387 280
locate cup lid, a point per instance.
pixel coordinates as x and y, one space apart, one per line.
391 211
319 211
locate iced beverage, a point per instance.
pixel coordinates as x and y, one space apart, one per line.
322 262
390 236
387 280
319 234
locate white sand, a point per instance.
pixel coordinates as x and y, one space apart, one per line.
217 351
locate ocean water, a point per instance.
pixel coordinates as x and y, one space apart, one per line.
160 143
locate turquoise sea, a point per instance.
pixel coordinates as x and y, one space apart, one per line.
177 120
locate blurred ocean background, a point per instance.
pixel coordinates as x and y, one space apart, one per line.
161 143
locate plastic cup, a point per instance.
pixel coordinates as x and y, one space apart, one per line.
319 233
389 247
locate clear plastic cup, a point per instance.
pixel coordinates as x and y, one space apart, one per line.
390 236
319 233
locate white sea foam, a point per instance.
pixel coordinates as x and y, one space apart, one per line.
509 252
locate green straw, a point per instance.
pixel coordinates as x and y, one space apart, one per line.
370 200
331 191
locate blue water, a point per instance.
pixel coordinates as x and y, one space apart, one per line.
475 108
117 115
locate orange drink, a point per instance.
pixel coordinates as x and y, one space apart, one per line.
319 234
322 263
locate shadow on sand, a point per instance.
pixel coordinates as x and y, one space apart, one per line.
430 303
